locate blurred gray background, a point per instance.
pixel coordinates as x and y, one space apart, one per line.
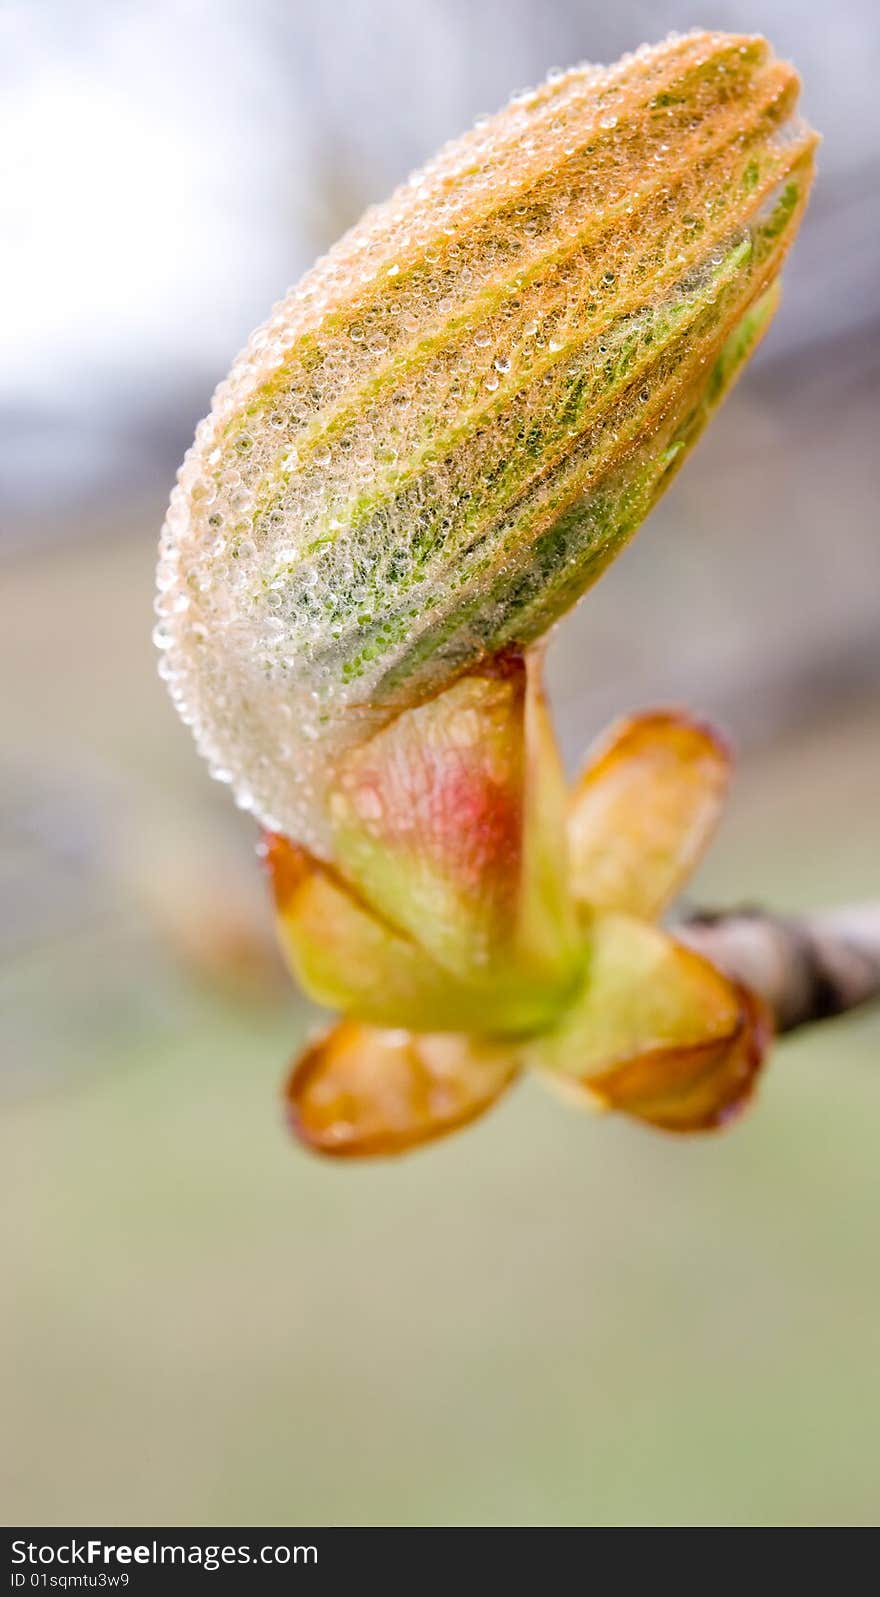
550 1320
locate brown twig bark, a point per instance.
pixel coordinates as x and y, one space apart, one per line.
805 967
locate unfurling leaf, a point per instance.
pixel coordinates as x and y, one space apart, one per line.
447 430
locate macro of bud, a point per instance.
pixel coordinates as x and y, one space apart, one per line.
443 435
433 447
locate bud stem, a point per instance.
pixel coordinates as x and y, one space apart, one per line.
806 967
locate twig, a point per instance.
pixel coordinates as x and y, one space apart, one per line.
806 967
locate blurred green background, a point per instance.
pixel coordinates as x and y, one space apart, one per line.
549 1319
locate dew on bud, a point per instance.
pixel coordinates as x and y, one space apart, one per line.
369 509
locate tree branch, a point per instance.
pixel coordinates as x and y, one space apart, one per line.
806 967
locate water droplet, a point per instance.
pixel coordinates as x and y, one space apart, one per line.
368 804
